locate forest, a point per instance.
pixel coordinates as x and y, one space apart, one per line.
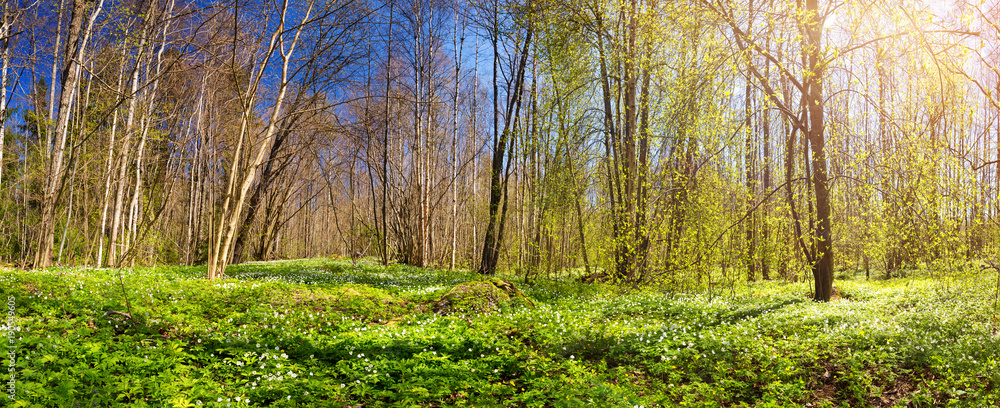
451 175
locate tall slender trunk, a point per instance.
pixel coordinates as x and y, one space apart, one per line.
117 247
748 162
55 180
240 179
475 158
385 143
485 264
765 261
626 269
502 152
454 144
610 138
6 24
369 134
764 232
55 73
823 237
69 212
109 179
194 206
751 184
640 233
421 241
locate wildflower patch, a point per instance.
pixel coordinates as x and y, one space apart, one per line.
324 332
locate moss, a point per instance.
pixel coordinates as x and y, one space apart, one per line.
485 296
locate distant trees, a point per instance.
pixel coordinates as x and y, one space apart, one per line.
687 143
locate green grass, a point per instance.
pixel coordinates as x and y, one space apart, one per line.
328 333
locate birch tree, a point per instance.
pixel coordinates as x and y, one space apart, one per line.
83 16
9 16
242 175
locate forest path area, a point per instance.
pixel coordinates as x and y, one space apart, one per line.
332 333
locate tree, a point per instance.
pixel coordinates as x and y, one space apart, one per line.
503 146
242 175
56 175
9 16
809 121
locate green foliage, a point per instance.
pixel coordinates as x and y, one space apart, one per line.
330 333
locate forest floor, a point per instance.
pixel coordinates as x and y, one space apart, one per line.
329 333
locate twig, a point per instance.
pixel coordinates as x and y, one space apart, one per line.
113 312
128 305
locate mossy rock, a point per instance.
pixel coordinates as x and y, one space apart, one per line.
358 301
476 297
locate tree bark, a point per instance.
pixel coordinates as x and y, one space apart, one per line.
385 142
454 144
498 188
6 25
240 179
823 237
55 179
751 186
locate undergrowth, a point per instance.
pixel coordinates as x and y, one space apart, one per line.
331 333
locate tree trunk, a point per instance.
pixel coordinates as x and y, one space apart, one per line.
498 188
240 179
55 178
823 237
385 143
454 144
748 162
6 23
267 177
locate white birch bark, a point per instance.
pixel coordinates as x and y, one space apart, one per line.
454 142
240 181
56 177
6 24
